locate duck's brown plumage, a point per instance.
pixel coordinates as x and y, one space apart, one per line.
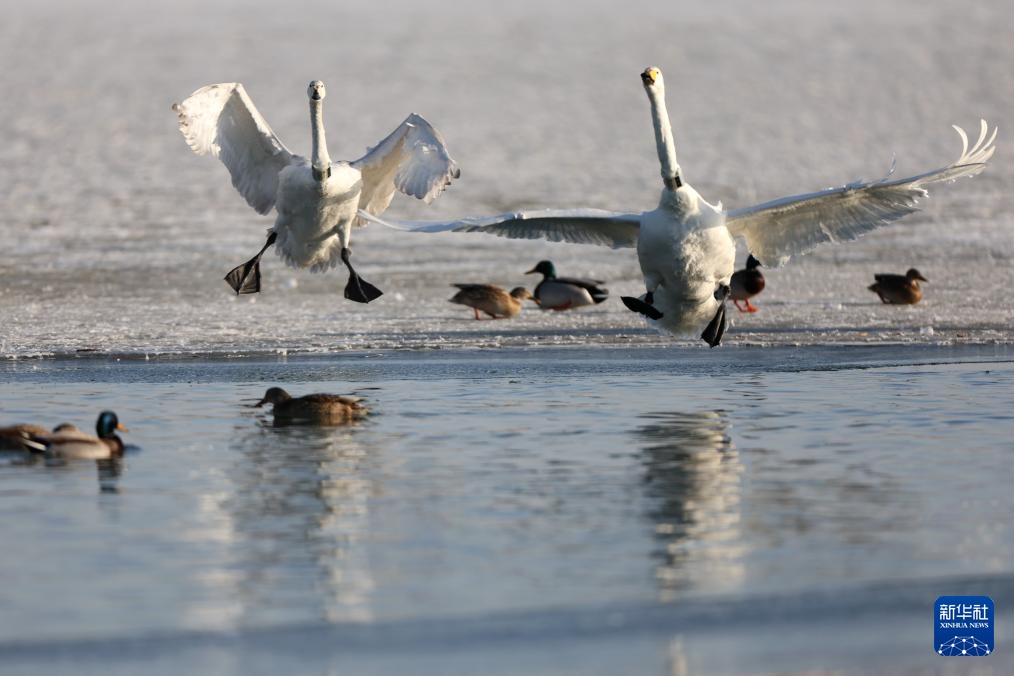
316 408
491 299
22 437
898 289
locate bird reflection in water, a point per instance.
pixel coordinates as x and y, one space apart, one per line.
109 472
692 477
300 520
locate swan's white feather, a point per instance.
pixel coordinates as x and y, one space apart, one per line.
220 119
317 201
776 230
578 226
413 159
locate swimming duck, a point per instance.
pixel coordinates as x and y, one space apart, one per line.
316 408
565 293
492 299
898 289
316 199
746 284
686 246
68 442
22 438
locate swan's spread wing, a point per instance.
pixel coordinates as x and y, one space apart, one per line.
413 159
776 230
221 119
579 226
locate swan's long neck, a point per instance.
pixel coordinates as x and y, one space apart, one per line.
320 161
664 141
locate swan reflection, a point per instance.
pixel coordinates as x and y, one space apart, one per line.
692 477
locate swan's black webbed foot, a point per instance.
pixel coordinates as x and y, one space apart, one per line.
246 278
358 289
643 307
639 306
715 329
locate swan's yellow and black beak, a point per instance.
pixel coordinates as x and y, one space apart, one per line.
649 75
316 90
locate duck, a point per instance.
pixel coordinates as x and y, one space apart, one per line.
22 437
316 200
898 289
68 442
746 284
686 246
492 299
314 408
565 293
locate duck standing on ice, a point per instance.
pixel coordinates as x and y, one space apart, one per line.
746 284
317 200
898 289
565 293
491 299
686 246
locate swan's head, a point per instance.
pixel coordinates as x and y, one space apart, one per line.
316 91
652 78
914 274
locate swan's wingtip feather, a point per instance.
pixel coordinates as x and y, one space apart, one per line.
964 141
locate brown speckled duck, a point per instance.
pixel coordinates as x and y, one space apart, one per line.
899 289
68 442
491 299
324 409
22 438
745 284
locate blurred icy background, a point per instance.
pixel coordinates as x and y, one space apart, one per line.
117 237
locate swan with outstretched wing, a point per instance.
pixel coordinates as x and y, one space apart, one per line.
686 246
317 201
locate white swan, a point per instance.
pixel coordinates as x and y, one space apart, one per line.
686 246
317 201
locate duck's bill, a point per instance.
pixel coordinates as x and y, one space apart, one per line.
122 428
531 271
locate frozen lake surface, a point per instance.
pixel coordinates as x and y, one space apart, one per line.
560 493
117 237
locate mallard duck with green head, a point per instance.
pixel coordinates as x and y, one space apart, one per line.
325 409
565 293
898 289
68 442
491 299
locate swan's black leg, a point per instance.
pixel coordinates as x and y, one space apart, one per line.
643 307
246 278
358 289
715 329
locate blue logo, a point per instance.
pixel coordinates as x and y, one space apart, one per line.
963 626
